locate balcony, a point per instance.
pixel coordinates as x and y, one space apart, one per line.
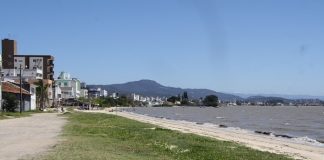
50 63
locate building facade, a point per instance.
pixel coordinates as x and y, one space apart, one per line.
70 87
11 60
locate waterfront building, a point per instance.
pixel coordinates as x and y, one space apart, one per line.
70 87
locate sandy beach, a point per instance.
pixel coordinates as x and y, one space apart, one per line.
256 141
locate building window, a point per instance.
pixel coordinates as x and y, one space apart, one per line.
15 60
34 60
15 67
65 84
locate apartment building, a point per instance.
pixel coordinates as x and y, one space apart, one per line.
12 62
70 87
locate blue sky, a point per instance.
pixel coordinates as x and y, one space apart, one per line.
252 46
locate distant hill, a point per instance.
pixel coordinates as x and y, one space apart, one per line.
286 96
152 88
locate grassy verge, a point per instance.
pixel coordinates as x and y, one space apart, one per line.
103 136
8 115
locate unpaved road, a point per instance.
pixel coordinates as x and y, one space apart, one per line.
26 137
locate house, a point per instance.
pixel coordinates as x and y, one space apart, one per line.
28 94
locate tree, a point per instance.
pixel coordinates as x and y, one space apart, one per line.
110 102
41 93
185 99
10 102
185 96
211 100
173 99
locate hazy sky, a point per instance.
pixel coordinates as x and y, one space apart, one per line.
250 46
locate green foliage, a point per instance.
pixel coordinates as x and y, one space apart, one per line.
10 102
185 96
211 100
111 102
173 99
41 94
185 99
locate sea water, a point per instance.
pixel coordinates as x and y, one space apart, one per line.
304 123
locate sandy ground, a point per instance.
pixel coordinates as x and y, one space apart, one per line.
260 142
26 137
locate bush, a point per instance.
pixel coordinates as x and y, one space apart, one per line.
211 100
10 102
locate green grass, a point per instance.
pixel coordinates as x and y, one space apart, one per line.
8 115
103 136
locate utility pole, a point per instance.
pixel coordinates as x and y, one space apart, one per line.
1 106
21 103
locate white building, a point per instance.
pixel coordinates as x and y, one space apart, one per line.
30 74
114 95
135 97
70 87
84 93
103 93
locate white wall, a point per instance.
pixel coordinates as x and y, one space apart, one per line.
19 61
36 62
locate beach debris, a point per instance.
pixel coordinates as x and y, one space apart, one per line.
262 132
222 126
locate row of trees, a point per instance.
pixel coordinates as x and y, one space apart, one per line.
210 100
110 102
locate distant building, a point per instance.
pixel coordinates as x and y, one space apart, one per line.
84 93
83 85
93 93
135 97
114 95
70 87
103 93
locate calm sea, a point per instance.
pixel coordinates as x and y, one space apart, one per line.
305 122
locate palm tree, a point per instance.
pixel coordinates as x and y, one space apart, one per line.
42 93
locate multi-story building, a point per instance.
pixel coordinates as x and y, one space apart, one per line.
93 93
11 60
70 87
135 97
103 92
30 74
84 93
84 90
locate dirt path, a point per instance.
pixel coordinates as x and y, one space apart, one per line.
260 142
25 137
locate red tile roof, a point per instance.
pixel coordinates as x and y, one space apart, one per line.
12 88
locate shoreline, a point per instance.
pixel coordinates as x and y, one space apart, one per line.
253 140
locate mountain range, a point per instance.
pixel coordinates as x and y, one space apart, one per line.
152 88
